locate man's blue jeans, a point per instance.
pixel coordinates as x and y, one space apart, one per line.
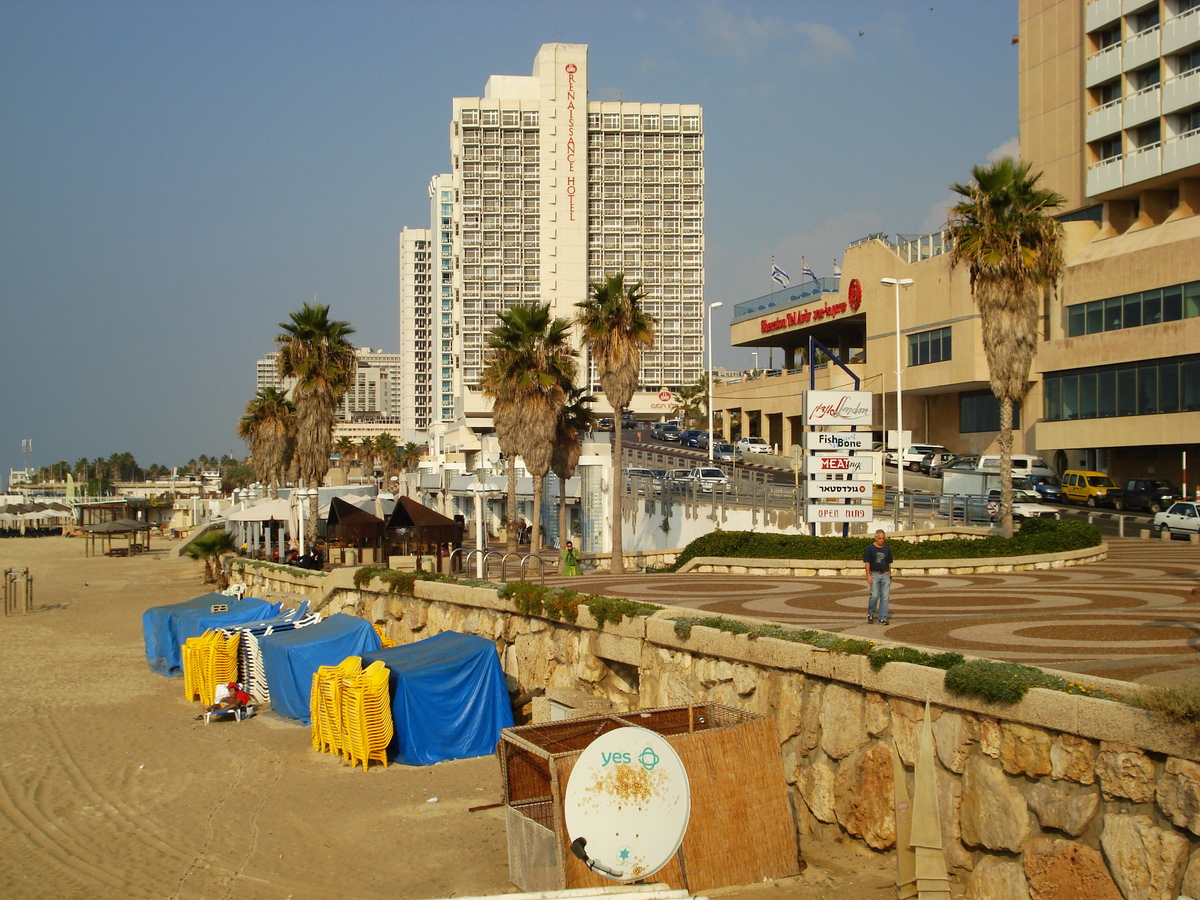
881 588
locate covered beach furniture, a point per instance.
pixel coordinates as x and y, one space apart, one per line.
291 658
449 700
165 628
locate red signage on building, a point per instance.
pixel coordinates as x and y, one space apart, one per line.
802 317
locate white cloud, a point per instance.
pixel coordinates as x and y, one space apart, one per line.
745 38
1011 147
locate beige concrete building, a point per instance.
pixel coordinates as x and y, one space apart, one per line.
1110 114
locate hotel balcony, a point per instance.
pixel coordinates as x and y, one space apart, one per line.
1181 92
1143 106
1104 176
1103 121
1103 65
1101 12
1143 163
1142 48
1181 31
1181 151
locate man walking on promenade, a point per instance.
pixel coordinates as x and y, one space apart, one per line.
877 561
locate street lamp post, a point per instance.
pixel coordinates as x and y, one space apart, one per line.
479 488
897 283
754 353
711 431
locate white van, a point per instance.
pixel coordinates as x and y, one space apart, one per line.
1022 464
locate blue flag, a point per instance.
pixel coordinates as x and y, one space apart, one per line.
805 271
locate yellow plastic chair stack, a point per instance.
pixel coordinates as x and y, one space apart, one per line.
209 660
367 715
193 667
384 640
325 704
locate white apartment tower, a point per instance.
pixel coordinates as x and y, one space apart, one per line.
416 349
375 396
550 191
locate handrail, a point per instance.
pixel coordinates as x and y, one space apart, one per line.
504 561
463 563
541 565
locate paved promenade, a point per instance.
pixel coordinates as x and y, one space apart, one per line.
1134 617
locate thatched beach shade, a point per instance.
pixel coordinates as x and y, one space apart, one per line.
106 531
416 529
348 525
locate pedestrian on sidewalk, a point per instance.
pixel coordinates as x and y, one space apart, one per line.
877 562
570 560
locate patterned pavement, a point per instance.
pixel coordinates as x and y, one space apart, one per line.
1133 617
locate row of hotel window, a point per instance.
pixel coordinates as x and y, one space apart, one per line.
1169 304
1130 389
528 118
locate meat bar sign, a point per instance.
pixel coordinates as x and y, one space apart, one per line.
837 408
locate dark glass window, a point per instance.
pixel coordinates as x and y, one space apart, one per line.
929 347
1133 310
1191 299
1189 385
1147 378
1151 307
1168 387
1127 392
1113 311
1076 324
1106 393
1172 303
1052 398
1070 396
980 411
1087 395
1095 316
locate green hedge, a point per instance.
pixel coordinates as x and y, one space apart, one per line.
564 603
1035 536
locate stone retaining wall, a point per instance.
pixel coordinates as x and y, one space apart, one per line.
1058 795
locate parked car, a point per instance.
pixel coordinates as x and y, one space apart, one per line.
705 437
675 475
1048 486
1022 464
606 424
690 438
752 444
936 459
669 433
724 453
1182 518
961 464
1025 505
1152 494
707 478
1084 486
643 478
913 454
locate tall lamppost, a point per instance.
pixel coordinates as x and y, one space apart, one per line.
897 283
754 353
711 431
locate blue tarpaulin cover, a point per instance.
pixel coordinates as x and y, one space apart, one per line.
449 700
165 628
291 658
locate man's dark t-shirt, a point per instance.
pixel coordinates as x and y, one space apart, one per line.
879 558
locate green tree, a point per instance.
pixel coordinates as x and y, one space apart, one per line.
388 452
691 402
269 426
574 420
1004 233
529 361
366 456
344 448
616 329
209 549
314 350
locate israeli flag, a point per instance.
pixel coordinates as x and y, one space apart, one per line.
777 274
837 271
805 271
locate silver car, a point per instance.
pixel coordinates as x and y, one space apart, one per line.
1182 518
724 453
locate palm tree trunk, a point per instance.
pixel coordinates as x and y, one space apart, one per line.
617 566
1006 488
510 513
535 539
563 537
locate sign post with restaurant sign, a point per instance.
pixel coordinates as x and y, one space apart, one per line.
833 473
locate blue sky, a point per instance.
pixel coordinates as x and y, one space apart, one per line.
176 177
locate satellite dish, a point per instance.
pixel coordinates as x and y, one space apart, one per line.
627 804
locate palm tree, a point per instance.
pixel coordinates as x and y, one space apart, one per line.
691 401
344 448
575 419
315 351
269 427
366 456
210 548
616 330
410 459
529 360
1012 247
388 451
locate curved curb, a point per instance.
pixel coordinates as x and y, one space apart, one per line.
830 568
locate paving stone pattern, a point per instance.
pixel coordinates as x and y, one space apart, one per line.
1133 617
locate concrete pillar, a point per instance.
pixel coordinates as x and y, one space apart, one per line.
1189 199
1153 209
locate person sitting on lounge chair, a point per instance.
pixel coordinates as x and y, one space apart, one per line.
227 697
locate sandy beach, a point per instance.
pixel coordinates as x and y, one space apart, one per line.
109 787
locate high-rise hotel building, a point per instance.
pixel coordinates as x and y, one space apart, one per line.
548 192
